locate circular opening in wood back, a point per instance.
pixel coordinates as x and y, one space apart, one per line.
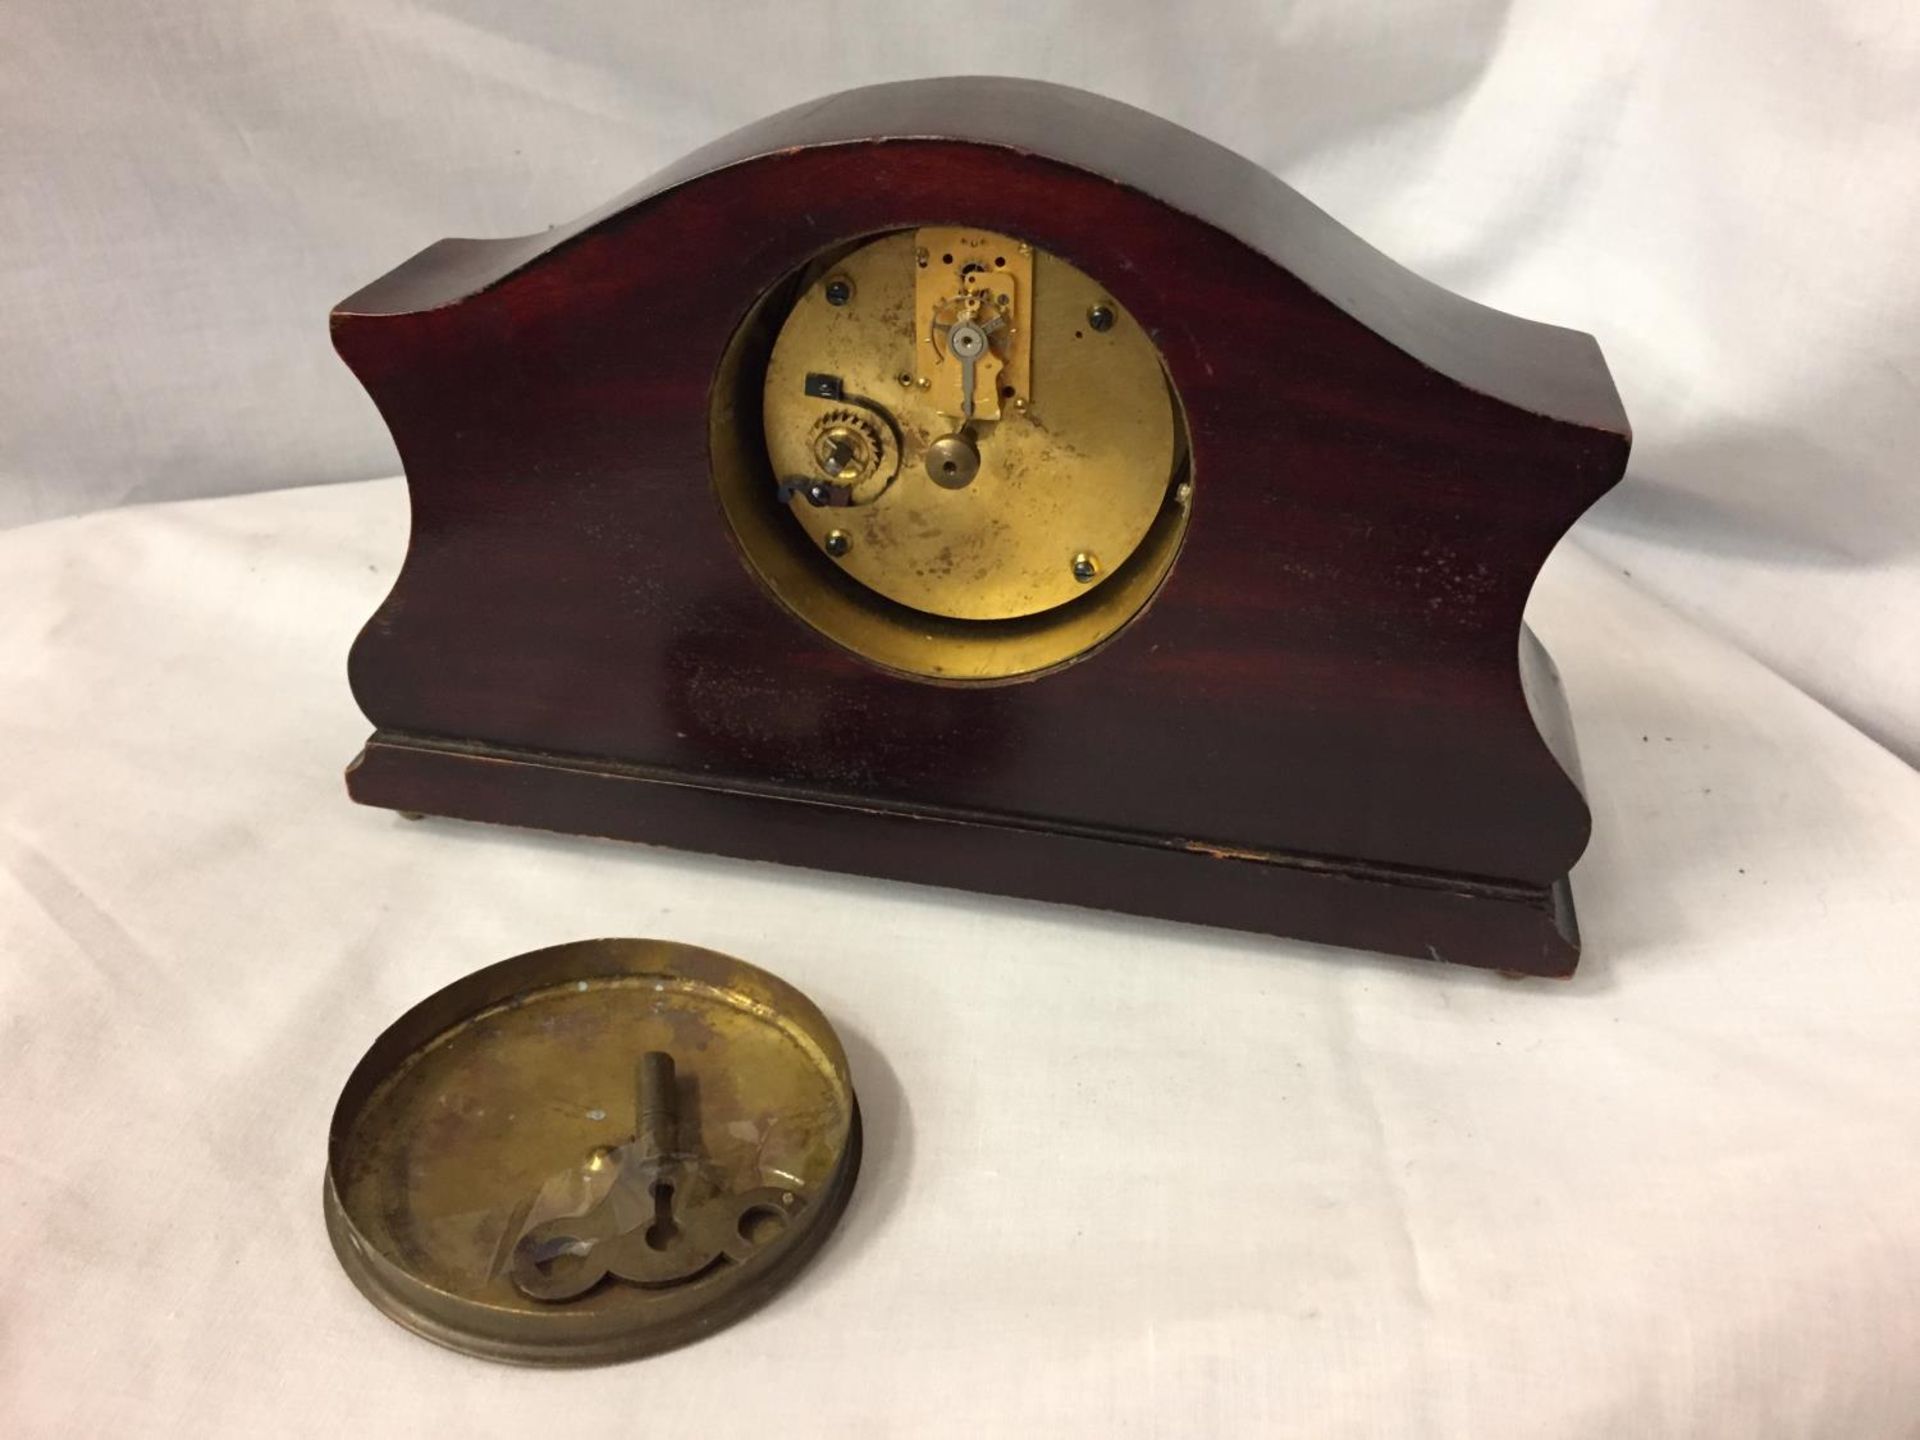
801 574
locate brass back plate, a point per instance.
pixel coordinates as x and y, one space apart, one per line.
1078 464
494 1103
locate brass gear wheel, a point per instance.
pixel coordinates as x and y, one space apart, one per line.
855 452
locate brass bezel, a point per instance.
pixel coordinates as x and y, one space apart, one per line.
488 1318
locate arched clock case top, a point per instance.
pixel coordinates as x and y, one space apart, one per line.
1322 717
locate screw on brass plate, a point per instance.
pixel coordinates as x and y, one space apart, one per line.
839 290
838 542
1100 317
1086 565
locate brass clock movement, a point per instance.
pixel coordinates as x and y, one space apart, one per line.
974 431
981 483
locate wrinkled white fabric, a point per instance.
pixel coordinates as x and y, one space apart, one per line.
1725 192
1122 1178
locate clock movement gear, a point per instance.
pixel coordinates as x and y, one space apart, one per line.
847 446
854 457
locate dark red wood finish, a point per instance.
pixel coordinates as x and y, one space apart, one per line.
1325 725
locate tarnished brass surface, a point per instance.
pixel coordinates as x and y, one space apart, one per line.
989 277
520 1096
1074 426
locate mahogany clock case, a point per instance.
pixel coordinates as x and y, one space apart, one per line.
1330 722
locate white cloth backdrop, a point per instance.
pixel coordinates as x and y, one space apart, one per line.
1273 1188
1122 1178
1726 192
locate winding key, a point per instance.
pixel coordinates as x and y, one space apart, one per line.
649 1229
